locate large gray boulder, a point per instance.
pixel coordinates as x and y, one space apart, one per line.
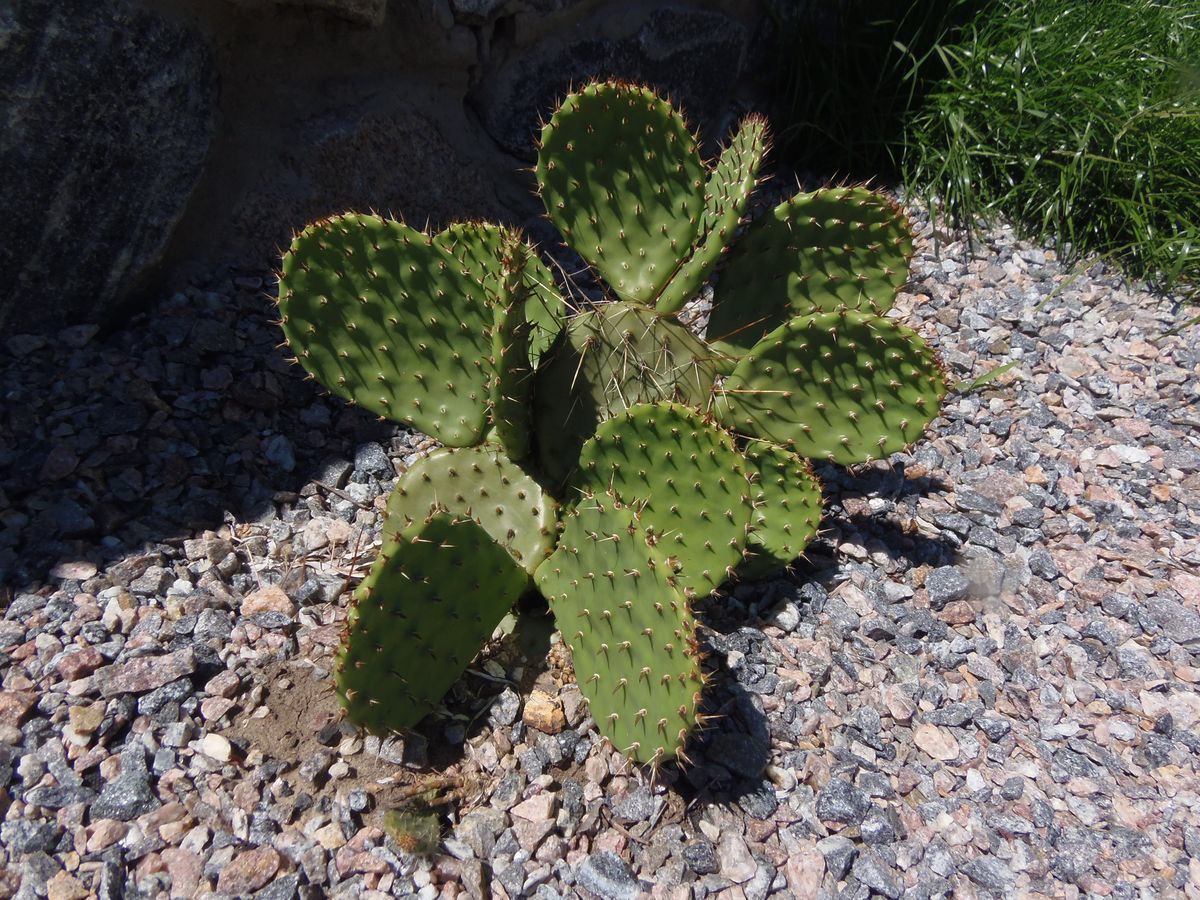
106 116
693 55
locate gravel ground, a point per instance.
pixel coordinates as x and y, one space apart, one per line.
982 682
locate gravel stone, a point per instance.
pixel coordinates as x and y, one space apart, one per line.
945 585
178 597
129 795
607 876
879 827
989 873
871 870
701 857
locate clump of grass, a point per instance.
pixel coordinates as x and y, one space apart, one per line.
1078 119
849 73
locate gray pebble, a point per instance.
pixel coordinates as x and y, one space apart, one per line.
946 585
608 876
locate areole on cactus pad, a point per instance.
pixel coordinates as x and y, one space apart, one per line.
608 457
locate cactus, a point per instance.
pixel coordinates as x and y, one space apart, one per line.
725 199
482 250
482 484
414 827
831 249
381 315
841 386
686 478
630 628
438 589
622 179
611 358
673 463
512 388
787 508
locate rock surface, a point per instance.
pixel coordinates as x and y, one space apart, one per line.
694 55
109 113
416 109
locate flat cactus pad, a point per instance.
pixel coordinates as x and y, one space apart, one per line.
787 508
837 247
484 485
383 316
685 477
630 629
431 601
622 180
843 386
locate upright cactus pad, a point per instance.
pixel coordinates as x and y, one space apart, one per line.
480 249
725 199
621 177
512 389
613 357
382 315
630 629
433 598
787 508
685 477
482 484
842 386
818 252
545 308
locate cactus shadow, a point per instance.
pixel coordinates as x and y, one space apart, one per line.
204 424
883 478
727 757
467 711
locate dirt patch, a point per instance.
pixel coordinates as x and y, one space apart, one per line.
299 705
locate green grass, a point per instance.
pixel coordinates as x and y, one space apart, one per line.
1075 119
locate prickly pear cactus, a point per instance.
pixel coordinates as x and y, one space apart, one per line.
631 630
787 508
384 316
611 358
512 388
685 477
842 386
434 596
622 179
725 199
836 248
622 464
482 484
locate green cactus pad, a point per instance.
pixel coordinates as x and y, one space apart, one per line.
725 198
545 308
814 253
613 357
479 247
685 477
512 389
629 627
787 508
483 484
416 829
383 316
433 598
846 387
622 180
